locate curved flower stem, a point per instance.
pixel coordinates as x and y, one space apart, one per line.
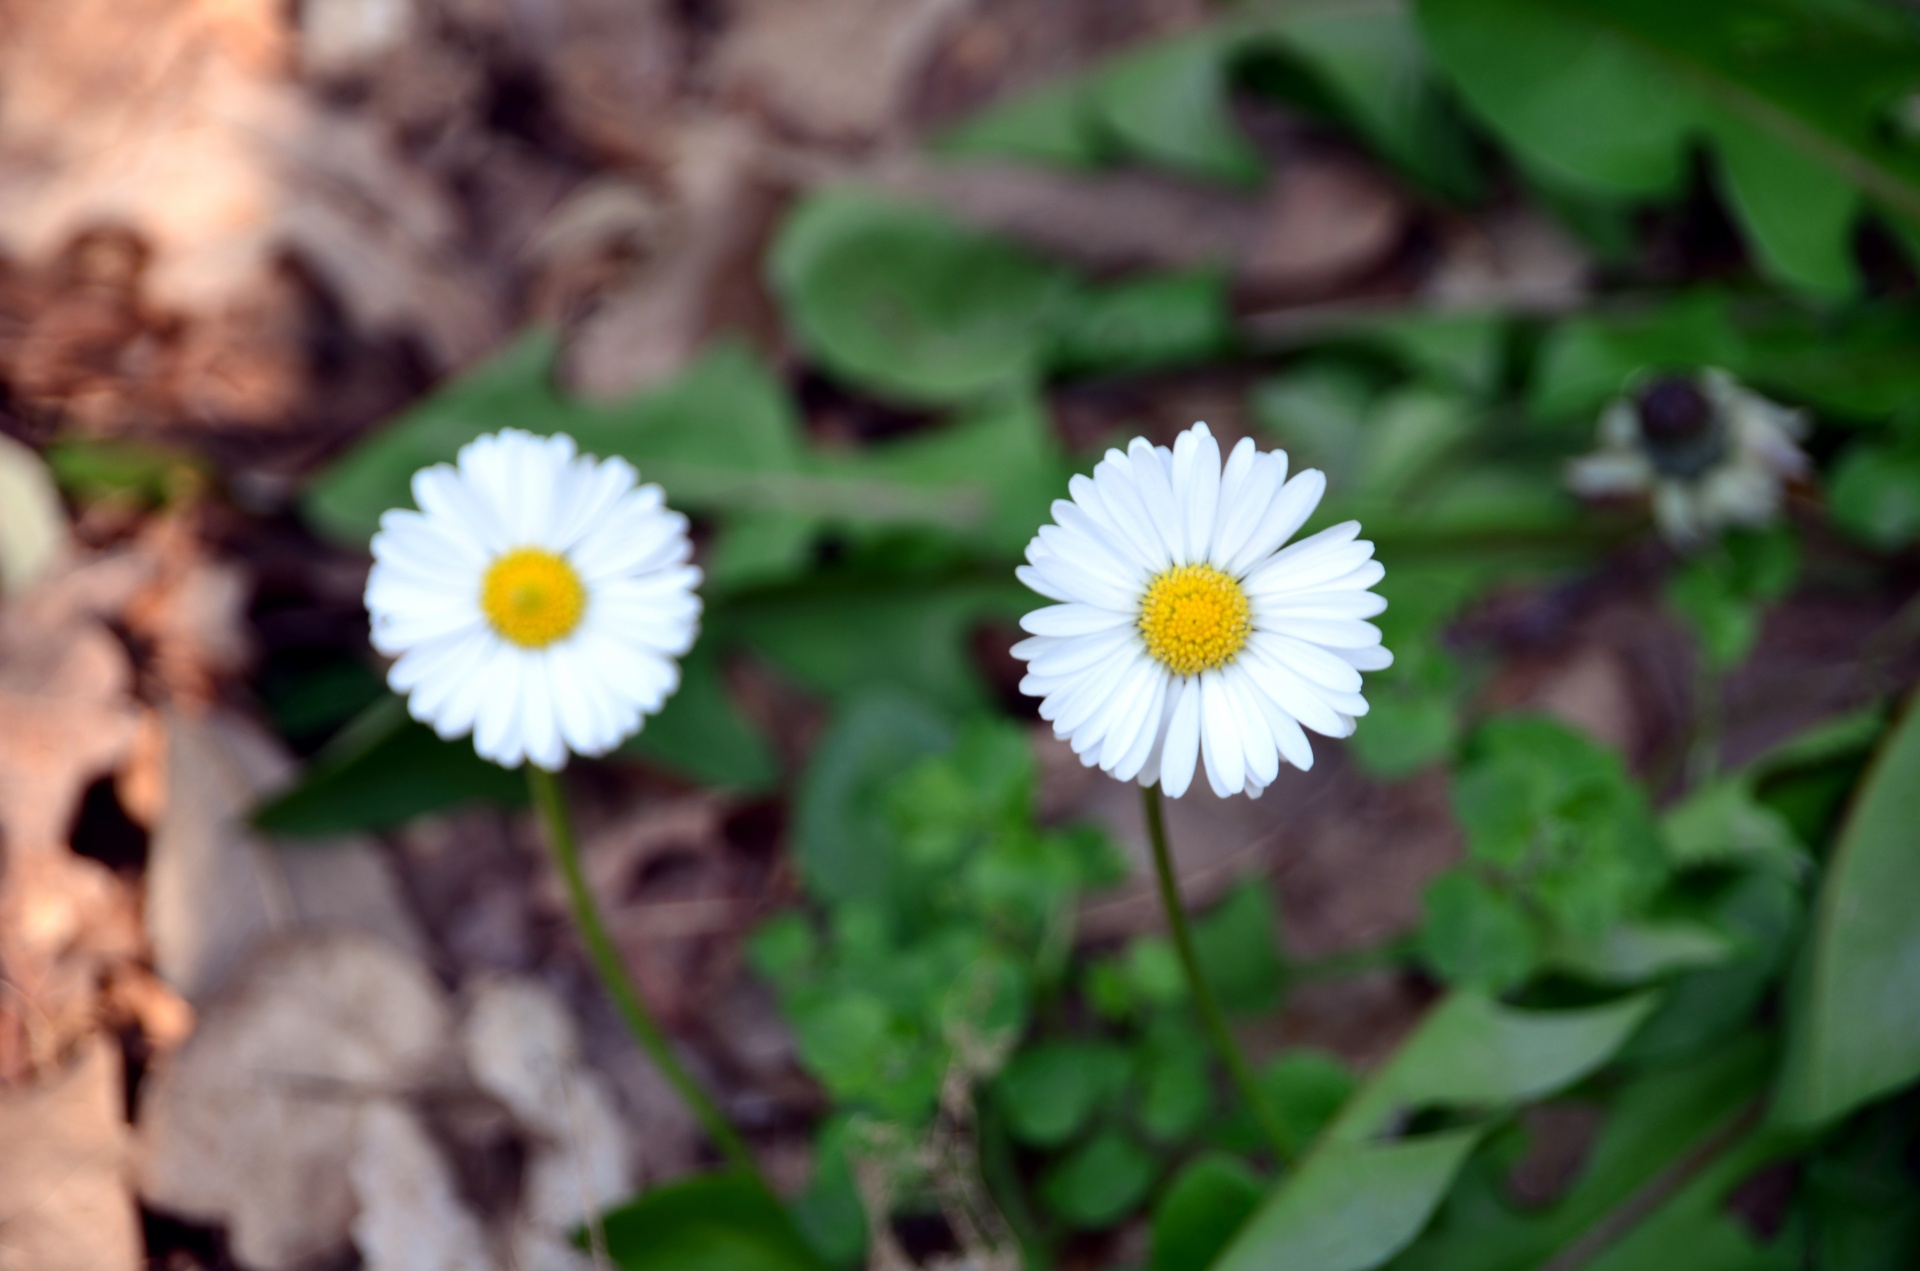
1210 1012
613 975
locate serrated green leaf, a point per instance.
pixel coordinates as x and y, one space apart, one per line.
1305 1090
1236 943
1854 1026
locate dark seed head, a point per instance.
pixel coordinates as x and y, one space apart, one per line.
1683 434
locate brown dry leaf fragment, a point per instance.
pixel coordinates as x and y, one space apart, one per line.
64 720
255 1121
522 1047
832 69
178 120
216 888
614 67
700 274
1326 222
1513 258
412 1217
192 615
64 1200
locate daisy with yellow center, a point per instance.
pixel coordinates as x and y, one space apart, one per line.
538 599
1185 630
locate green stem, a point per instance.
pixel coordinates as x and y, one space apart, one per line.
613 975
1210 1013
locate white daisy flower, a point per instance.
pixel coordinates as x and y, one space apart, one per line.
538 599
1710 453
1185 630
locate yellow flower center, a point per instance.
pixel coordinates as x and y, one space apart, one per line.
532 597
1194 618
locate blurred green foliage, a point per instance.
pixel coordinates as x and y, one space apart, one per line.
1719 963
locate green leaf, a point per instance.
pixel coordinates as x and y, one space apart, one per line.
909 304
1635 951
1476 936
701 733
1861 1196
1653 1125
714 1222
844 638
1854 1026
1874 494
842 837
1143 324
1608 95
1175 1085
1695 1228
1587 360
1722 823
1305 1089
1471 1052
381 770
1050 125
1202 1208
1100 1182
1049 1091
1167 104
1236 944
514 389
1374 66
829 1213
1351 1206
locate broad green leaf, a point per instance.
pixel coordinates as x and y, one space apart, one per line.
1049 1091
1854 1027
845 637
1050 125
842 836
1200 1211
1167 104
514 389
1609 95
1143 324
1350 1206
712 1222
382 769
1472 1052
701 733
1099 1182
1874 494
1860 1194
901 300
1637 950
1374 65
1695 1230
1654 1124
829 1214
1236 944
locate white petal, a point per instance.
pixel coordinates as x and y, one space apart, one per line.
1153 726
1196 487
1290 509
1245 498
1071 620
1181 750
1220 741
